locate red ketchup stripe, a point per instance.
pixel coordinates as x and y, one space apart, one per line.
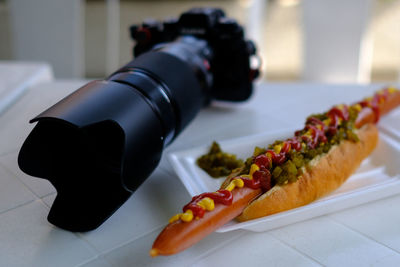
261 179
315 121
277 158
222 196
285 148
317 136
341 113
295 143
374 103
263 161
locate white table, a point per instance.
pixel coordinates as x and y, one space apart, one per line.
16 77
361 236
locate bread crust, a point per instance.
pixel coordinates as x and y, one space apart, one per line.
325 174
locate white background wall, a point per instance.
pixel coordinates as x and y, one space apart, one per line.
280 44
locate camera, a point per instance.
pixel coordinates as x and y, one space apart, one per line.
100 143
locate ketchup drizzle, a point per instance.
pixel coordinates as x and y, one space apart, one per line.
374 103
317 136
295 143
222 196
261 179
277 158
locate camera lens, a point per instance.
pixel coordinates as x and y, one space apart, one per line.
97 145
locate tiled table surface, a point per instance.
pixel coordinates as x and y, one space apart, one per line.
17 77
368 235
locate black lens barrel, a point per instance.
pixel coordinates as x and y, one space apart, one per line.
178 79
155 95
99 144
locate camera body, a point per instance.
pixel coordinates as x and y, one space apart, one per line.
226 56
100 143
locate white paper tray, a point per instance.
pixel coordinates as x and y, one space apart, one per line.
378 177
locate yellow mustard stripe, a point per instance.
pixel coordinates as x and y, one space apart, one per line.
327 122
175 218
392 90
358 107
308 133
206 203
186 217
235 183
277 148
253 169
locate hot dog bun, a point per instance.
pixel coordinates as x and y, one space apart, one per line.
324 174
314 179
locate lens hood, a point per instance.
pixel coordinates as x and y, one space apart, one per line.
88 145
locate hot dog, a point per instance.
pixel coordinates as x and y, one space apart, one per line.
289 174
